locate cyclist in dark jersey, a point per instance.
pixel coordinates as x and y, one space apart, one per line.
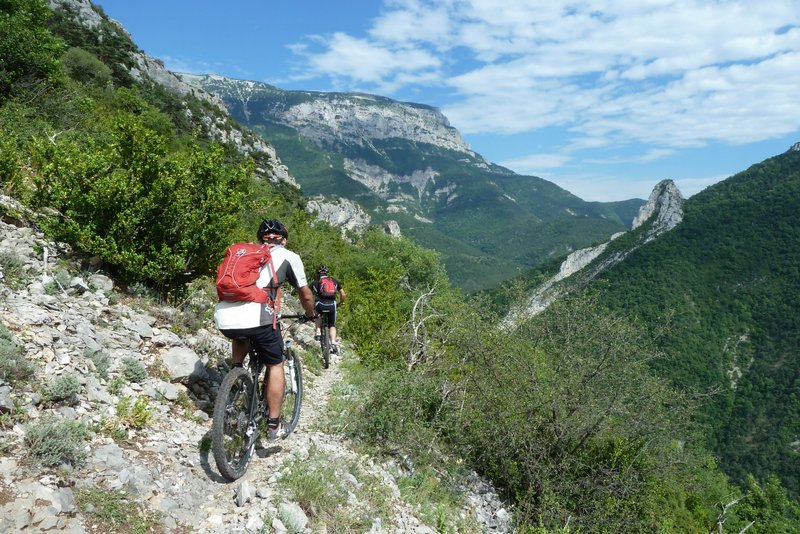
326 288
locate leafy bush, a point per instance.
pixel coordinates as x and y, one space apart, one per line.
63 388
29 51
133 370
318 486
15 368
14 270
111 194
10 163
84 67
101 361
134 414
57 441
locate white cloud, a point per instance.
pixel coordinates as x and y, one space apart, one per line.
667 73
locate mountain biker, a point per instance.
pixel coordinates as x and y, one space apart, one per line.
251 323
326 300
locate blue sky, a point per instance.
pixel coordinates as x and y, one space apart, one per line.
604 98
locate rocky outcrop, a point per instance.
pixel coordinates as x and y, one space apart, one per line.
666 203
662 212
341 213
378 180
392 228
365 117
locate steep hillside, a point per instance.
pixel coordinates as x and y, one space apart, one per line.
725 286
405 162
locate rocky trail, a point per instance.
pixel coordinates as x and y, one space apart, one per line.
78 329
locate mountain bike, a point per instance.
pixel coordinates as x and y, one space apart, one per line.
324 338
240 410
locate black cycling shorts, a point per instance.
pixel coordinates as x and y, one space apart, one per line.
267 341
330 307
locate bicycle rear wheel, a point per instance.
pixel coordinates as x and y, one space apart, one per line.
325 343
293 392
233 429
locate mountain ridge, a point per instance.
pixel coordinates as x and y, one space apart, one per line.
404 164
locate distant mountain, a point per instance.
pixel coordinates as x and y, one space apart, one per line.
724 279
403 162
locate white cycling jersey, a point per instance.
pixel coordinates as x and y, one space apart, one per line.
288 268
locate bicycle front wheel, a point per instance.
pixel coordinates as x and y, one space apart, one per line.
233 428
293 392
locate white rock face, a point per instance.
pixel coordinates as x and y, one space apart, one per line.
667 203
367 117
392 228
341 213
377 179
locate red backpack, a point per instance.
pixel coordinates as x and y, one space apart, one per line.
327 287
239 270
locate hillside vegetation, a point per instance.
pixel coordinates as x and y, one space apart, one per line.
727 280
564 414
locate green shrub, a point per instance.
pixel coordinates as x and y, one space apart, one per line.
63 388
134 414
133 370
84 67
196 309
29 51
116 384
111 193
15 368
14 270
317 485
60 282
10 163
56 441
101 361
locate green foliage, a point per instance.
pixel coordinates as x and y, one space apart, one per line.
63 389
768 507
85 67
15 368
16 415
112 199
727 280
56 441
28 50
115 511
116 385
134 414
101 361
10 163
14 270
133 369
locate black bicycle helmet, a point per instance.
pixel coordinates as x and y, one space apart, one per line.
272 229
323 270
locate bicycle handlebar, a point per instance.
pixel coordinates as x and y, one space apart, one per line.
299 316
